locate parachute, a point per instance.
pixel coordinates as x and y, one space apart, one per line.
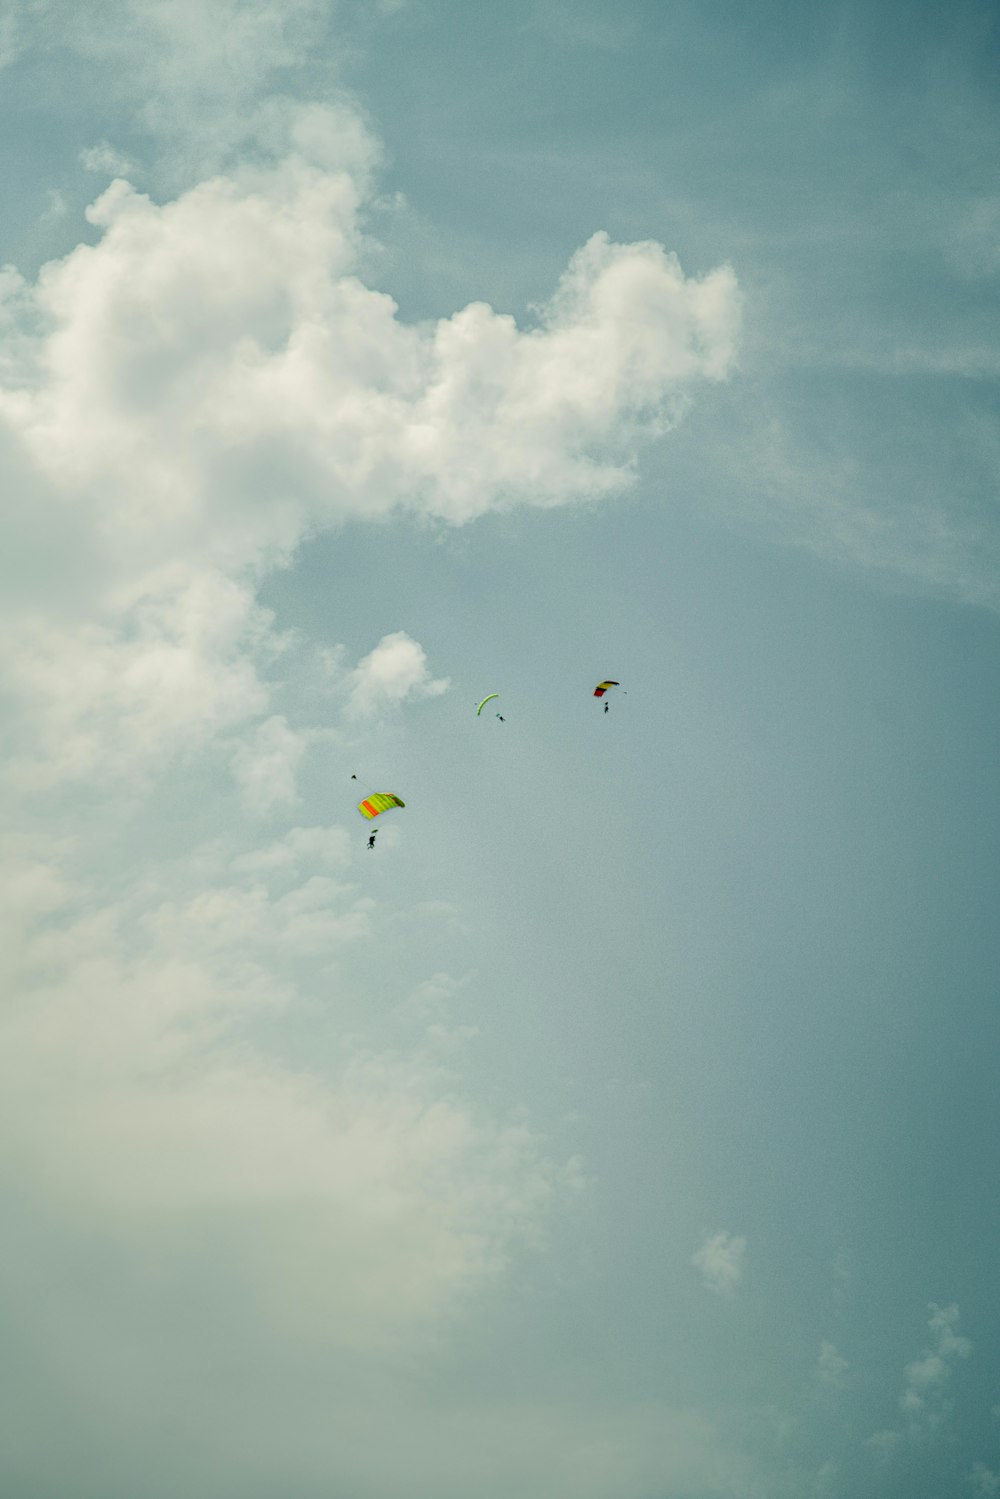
486 700
379 801
602 688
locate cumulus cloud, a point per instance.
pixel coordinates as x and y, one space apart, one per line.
214 375
395 670
211 381
720 1260
182 402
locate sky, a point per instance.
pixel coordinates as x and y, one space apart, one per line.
624 1124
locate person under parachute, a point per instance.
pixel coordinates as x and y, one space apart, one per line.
602 688
374 805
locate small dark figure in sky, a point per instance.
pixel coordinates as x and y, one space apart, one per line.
501 718
371 840
606 707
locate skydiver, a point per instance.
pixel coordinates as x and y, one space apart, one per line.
501 718
606 707
371 840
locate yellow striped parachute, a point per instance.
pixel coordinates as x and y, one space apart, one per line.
602 688
486 700
379 801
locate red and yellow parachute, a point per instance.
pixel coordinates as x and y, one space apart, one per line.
379 801
602 688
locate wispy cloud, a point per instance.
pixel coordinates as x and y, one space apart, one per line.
831 1366
720 1260
826 495
198 79
133 1090
985 1482
922 1400
883 1443
323 847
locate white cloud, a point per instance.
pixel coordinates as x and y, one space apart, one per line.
246 923
265 765
181 403
186 399
134 1094
720 1260
107 160
395 670
215 378
113 695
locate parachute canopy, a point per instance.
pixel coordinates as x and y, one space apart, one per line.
379 801
486 700
602 688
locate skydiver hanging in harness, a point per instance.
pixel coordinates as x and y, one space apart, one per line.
371 840
501 718
606 707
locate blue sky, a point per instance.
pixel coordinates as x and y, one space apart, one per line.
624 1126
